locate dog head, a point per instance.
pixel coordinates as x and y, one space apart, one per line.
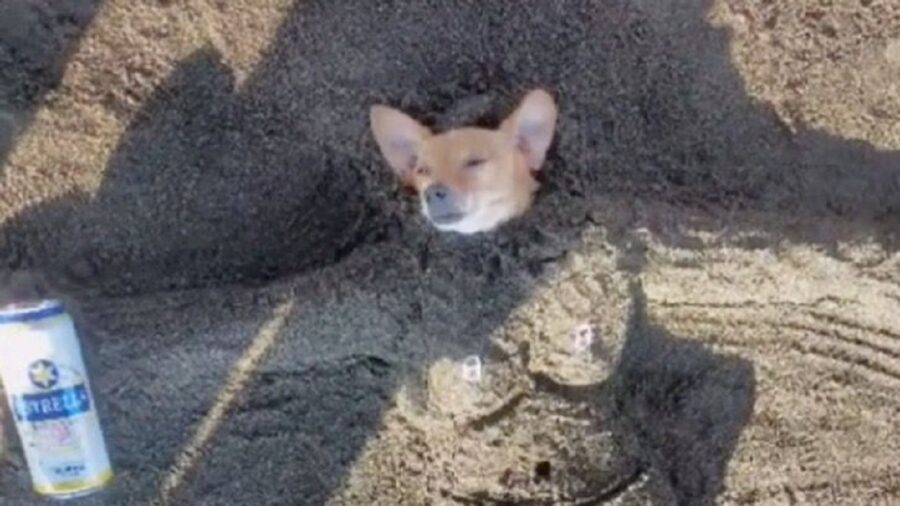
469 180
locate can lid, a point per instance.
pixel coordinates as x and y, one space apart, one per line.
18 313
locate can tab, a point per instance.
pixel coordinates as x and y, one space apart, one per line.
582 338
471 369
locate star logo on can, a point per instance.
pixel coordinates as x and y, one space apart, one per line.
43 374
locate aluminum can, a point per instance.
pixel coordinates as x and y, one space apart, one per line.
46 384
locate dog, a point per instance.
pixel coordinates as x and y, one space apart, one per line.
469 180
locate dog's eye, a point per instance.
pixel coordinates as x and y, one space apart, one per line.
423 170
473 163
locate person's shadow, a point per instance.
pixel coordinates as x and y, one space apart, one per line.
688 406
212 186
36 39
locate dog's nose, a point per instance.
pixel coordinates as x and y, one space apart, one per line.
436 193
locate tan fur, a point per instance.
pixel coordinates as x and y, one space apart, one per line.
489 173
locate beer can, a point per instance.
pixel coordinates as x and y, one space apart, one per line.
50 399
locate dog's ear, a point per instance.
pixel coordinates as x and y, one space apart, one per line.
399 138
531 126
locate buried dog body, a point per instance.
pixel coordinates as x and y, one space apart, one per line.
469 180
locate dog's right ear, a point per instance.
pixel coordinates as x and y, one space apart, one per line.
399 138
532 125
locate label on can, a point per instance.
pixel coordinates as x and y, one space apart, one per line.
50 398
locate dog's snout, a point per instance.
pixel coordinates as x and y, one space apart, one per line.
436 193
442 204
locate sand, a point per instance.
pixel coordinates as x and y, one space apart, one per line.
268 320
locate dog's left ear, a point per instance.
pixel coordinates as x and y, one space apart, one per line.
532 125
399 138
